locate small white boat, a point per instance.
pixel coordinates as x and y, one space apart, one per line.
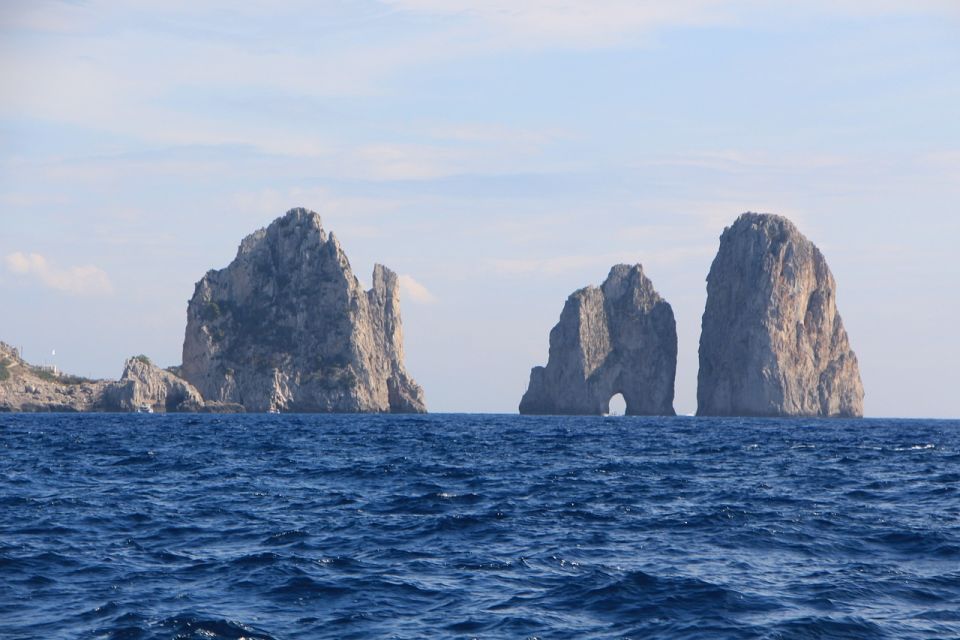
144 408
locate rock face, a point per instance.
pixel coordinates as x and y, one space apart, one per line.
287 327
772 342
145 385
28 388
620 337
25 387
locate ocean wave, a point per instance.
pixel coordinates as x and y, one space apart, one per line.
488 526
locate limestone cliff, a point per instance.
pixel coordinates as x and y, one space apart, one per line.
772 342
620 337
29 388
26 387
144 385
287 327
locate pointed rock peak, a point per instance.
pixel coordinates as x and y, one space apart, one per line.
301 216
624 271
629 281
769 222
384 279
297 223
622 277
754 217
331 244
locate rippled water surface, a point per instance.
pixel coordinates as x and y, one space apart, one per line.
477 526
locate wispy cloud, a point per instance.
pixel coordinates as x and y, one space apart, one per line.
86 280
606 23
573 23
416 291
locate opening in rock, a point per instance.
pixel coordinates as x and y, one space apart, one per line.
617 405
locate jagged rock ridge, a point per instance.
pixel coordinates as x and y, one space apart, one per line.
772 342
287 327
620 337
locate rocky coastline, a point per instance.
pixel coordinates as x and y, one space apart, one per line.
143 387
287 327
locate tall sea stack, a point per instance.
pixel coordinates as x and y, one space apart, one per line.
287 327
772 342
620 337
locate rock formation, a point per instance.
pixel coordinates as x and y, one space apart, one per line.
29 388
287 327
618 338
25 387
144 385
772 342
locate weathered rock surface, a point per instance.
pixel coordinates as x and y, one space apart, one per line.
772 342
287 327
25 387
620 337
28 388
144 385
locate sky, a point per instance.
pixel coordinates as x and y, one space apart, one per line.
497 154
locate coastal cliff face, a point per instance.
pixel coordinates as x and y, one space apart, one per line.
145 385
25 387
772 342
287 327
28 388
620 337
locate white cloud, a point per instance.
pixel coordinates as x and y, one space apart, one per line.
415 290
605 23
86 280
577 23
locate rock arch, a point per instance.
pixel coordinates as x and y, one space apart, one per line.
616 405
620 337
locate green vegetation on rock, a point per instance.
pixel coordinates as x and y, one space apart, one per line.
45 374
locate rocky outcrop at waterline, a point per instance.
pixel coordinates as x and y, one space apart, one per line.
27 387
620 337
288 327
772 342
142 387
146 386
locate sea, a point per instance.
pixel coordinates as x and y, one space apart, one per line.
477 526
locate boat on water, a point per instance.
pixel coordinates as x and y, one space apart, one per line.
144 408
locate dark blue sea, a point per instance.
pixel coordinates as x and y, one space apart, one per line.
461 526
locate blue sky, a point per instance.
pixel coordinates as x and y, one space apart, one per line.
498 157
